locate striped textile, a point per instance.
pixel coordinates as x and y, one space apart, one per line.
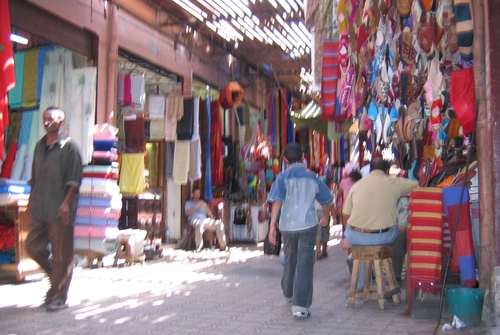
98 212
330 77
462 255
425 239
465 27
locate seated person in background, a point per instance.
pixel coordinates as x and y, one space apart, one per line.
200 216
371 207
399 246
323 233
350 176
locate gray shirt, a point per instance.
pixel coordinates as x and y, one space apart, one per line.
54 169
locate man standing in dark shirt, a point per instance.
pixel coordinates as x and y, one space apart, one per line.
56 178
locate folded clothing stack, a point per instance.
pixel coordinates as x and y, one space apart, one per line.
13 190
100 202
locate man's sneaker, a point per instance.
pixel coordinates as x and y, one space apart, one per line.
56 305
298 314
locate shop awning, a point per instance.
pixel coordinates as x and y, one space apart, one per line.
310 117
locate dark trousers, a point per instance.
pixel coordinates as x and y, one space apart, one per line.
60 268
398 253
297 280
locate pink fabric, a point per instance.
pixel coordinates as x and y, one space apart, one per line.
98 212
96 231
346 185
105 154
127 90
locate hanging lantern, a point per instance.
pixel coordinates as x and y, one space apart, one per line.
231 95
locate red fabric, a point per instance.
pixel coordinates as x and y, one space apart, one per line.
7 74
284 119
127 90
135 137
9 161
463 247
330 77
424 240
216 159
270 115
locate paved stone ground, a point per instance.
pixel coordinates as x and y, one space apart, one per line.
212 292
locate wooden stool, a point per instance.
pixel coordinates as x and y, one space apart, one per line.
386 285
124 252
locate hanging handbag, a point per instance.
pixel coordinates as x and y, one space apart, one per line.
463 98
240 217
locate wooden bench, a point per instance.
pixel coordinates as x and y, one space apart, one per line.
386 285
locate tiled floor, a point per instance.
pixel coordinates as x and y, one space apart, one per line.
209 293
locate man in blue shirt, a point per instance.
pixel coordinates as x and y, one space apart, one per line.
295 190
200 216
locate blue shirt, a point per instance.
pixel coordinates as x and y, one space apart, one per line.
297 188
199 213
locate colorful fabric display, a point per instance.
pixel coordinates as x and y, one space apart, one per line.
104 145
216 145
89 231
174 106
8 163
14 186
88 220
138 87
110 155
157 129
99 185
185 124
98 212
425 236
181 162
330 73
41 64
30 78
100 169
424 240
465 27
113 202
16 94
111 175
127 90
120 89
463 258
132 173
156 106
194 160
169 159
135 137
208 160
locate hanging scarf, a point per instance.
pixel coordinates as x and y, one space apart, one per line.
208 167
